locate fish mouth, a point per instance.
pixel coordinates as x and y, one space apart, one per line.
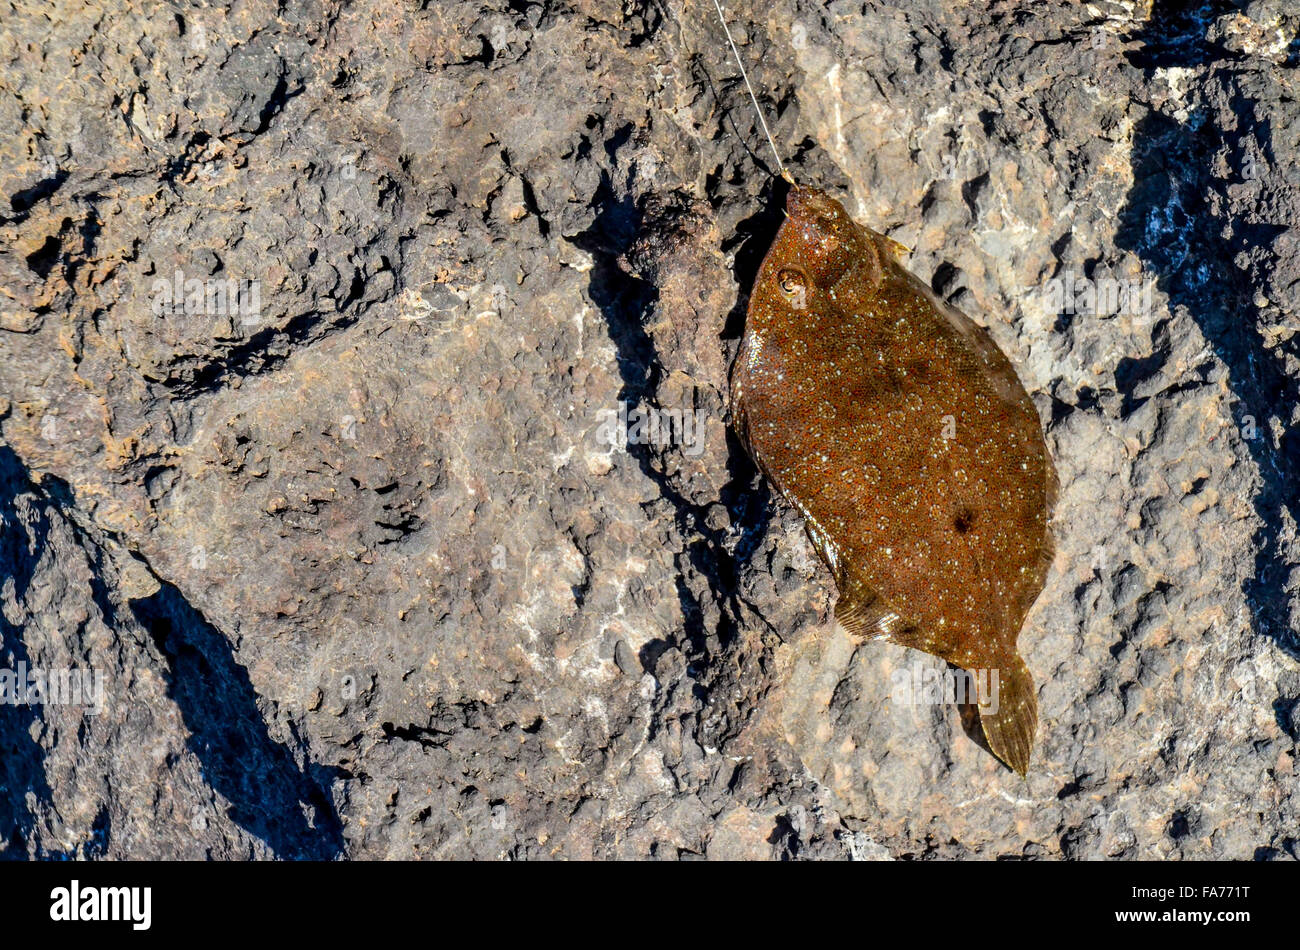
809 204
796 202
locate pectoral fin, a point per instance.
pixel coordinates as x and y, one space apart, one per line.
869 616
865 614
860 608
899 251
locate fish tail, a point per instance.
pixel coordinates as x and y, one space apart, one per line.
1010 716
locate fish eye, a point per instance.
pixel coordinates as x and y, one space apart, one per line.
793 283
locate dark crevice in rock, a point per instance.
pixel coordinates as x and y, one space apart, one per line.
280 97
257 355
451 721
425 735
754 235
24 200
1175 34
42 260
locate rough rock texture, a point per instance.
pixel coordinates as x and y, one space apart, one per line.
365 576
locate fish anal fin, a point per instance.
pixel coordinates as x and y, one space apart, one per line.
1009 717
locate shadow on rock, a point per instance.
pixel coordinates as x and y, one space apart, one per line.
1176 220
270 796
23 532
715 551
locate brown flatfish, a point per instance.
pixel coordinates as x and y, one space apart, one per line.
902 434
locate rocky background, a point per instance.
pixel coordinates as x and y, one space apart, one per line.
364 575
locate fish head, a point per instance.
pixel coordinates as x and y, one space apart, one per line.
817 248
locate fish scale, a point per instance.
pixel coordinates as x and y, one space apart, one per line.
902 434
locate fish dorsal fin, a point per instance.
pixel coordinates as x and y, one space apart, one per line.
996 364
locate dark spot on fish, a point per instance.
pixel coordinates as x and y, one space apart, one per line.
963 520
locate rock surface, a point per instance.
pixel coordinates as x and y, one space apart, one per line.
315 324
